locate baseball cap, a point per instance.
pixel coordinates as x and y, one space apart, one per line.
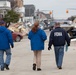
2 22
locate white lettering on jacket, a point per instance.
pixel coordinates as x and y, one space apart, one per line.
58 34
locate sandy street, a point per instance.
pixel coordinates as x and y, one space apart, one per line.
22 60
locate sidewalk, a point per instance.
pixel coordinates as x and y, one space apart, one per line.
22 59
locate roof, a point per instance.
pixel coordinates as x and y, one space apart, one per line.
6 0
29 6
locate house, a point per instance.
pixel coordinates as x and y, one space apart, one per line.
43 16
29 10
29 13
4 5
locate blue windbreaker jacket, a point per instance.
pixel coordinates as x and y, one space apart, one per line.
5 38
37 39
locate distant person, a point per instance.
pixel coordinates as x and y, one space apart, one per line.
58 38
37 38
1 17
6 41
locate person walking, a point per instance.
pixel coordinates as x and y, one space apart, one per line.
58 37
37 38
6 41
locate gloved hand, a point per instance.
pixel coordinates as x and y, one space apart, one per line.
49 48
66 47
12 46
68 44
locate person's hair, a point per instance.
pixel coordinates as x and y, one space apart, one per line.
35 26
57 24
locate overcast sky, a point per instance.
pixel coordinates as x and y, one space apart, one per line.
58 6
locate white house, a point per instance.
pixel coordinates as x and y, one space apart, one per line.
4 5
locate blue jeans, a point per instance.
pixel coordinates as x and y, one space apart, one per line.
8 57
59 53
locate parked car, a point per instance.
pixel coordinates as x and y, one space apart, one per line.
17 37
43 26
51 25
64 25
72 33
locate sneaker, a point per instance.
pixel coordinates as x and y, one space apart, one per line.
6 66
2 69
34 66
38 69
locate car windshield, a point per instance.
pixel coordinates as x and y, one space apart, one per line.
41 24
52 23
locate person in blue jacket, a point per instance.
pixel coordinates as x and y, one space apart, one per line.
6 41
37 38
58 37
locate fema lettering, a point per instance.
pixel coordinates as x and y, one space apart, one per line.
58 34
